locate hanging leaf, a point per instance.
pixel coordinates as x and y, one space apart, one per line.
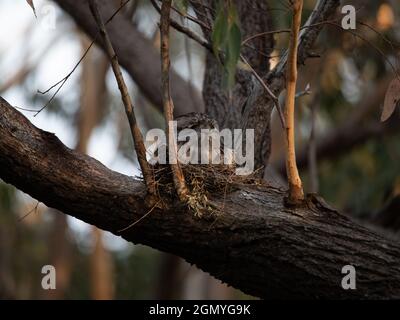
30 2
220 31
226 40
233 46
181 6
233 16
392 99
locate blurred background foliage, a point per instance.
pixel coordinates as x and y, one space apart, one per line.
345 80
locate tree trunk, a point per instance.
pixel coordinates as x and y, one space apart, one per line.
256 244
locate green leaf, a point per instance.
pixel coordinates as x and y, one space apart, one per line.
181 6
220 31
232 53
234 43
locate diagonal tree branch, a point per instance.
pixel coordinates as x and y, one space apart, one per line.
136 53
296 193
126 99
179 179
344 138
258 107
323 10
256 244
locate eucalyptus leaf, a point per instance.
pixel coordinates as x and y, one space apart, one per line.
220 32
226 40
232 53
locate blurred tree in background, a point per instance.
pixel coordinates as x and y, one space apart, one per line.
356 165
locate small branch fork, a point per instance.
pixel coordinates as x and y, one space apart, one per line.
127 101
296 194
267 89
179 179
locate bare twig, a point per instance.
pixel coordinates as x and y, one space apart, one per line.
379 34
208 46
267 89
195 37
252 211
261 34
305 92
178 177
135 131
383 55
193 19
342 139
34 209
296 194
177 26
62 82
141 218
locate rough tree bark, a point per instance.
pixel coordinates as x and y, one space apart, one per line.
256 244
250 106
254 18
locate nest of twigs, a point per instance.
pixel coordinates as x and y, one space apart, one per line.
203 182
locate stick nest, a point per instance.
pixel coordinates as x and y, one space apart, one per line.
203 182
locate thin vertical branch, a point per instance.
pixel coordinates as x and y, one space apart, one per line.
127 101
179 179
296 194
267 89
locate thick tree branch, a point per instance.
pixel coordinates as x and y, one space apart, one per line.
136 54
178 27
256 244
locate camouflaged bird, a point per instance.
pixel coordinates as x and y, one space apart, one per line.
197 122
